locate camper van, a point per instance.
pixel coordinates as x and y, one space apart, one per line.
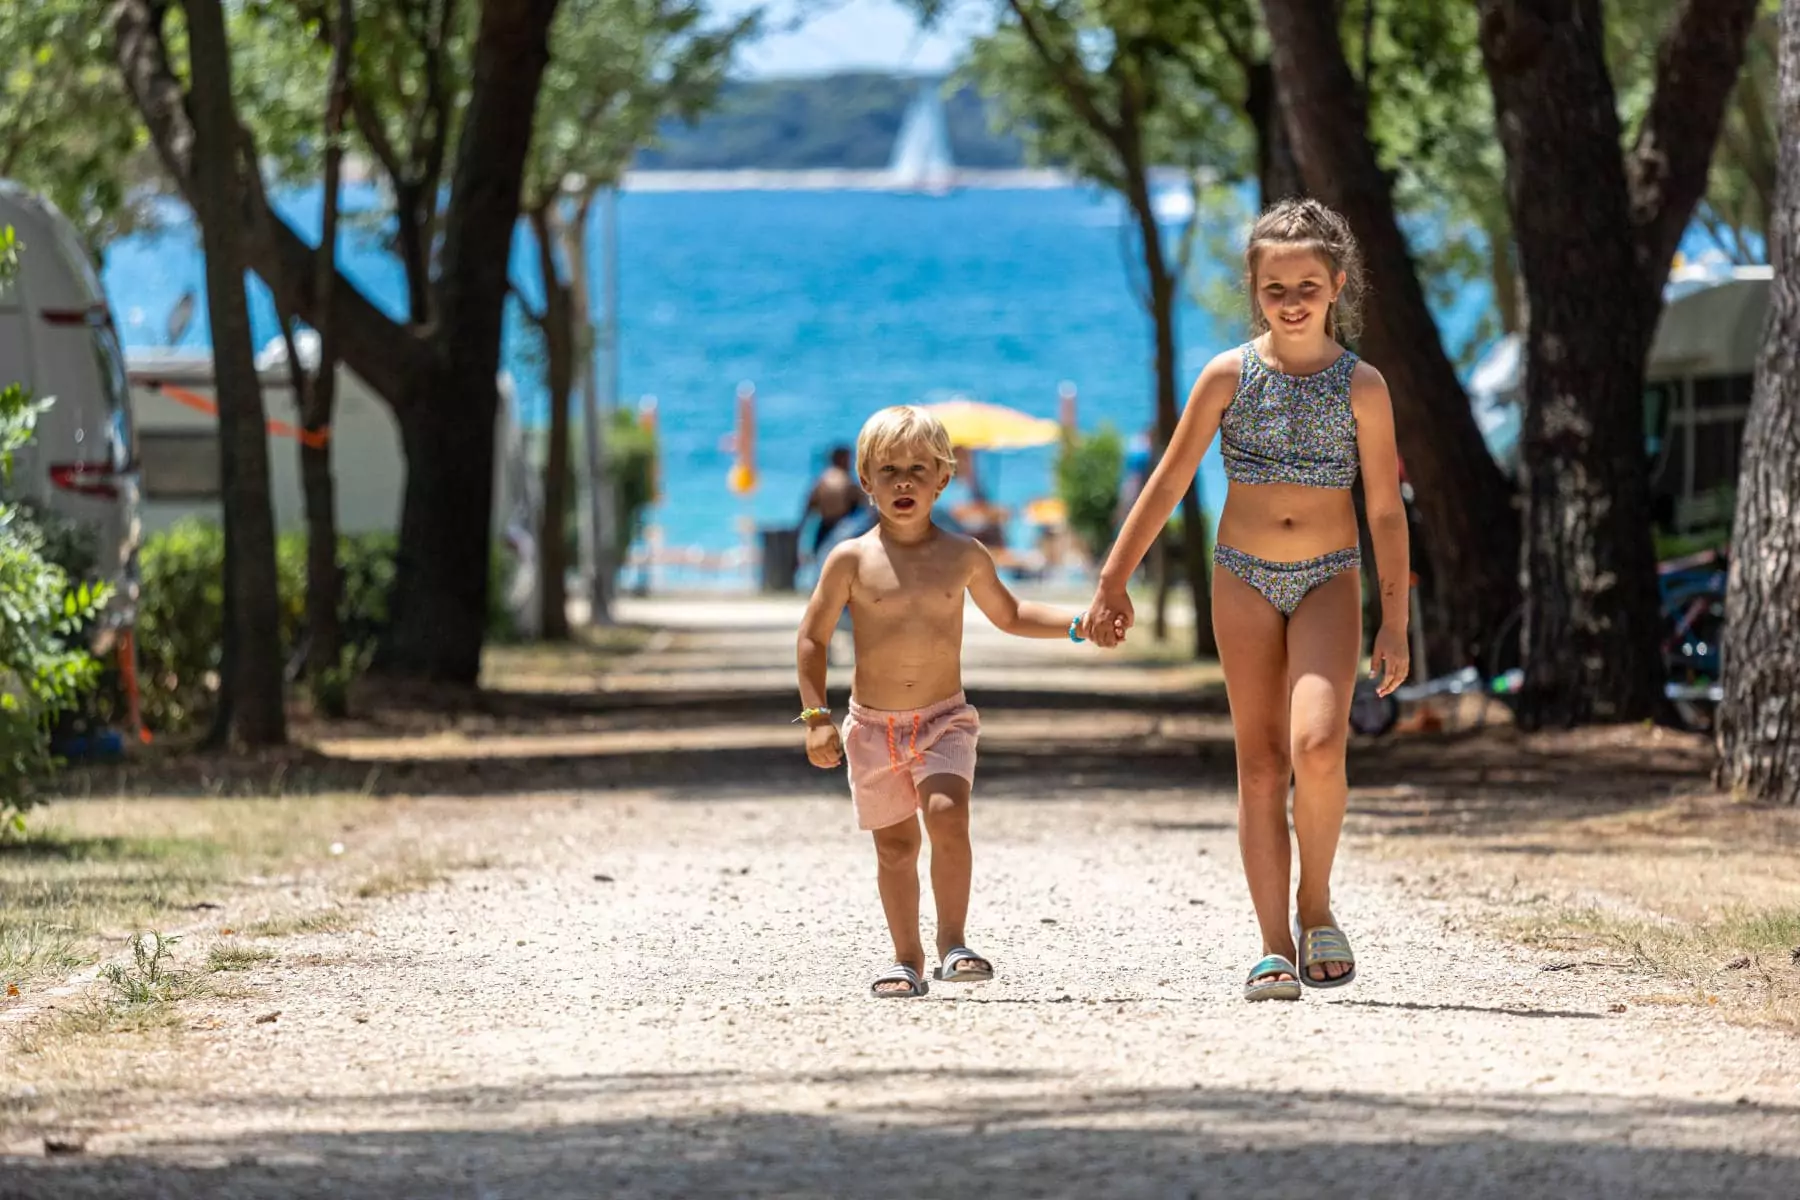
174 398
57 338
1697 384
1697 387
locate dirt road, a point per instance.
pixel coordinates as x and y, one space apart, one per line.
662 993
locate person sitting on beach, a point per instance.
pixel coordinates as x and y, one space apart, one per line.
834 496
910 735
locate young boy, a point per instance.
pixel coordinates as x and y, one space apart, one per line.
910 736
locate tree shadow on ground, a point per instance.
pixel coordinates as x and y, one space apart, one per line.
536 1141
1480 784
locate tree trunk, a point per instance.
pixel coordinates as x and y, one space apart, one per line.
255 676
1277 171
1509 298
324 579
315 398
449 410
1759 722
601 500
414 254
559 353
1193 521
1164 288
1592 616
441 592
1160 580
1471 530
1590 577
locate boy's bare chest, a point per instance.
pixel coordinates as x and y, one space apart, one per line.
919 587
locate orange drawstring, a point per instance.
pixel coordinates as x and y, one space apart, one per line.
912 746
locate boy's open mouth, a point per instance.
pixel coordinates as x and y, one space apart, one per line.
905 504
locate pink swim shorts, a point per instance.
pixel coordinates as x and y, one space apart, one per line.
889 753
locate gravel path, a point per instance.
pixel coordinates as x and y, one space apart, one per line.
662 994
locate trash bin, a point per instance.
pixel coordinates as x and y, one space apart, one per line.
780 559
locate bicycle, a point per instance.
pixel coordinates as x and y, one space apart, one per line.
1693 609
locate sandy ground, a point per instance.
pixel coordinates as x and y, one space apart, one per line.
660 991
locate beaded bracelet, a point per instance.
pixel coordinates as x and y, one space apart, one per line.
1074 624
807 714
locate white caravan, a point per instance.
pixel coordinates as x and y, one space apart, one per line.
175 403
1697 382
57 338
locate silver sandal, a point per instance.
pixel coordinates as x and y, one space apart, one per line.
1262 984
899 973
1320 945
952 970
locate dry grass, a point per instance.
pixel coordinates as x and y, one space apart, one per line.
575 666
1748 959
166 864
133 997
329 920
1694 896
400 880
92 872
234 957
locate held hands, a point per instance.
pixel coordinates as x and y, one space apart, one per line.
1390 661
823 749
1109 617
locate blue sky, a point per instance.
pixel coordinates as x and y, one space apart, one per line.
812 37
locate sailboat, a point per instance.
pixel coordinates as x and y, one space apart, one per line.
921 159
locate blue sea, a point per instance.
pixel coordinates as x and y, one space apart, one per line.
832 304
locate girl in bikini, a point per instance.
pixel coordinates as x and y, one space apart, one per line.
1299 415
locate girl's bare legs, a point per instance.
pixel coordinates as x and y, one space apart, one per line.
1324 645
1253 650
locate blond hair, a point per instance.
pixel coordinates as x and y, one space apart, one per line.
903 426
1312 225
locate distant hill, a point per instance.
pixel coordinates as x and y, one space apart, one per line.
834 121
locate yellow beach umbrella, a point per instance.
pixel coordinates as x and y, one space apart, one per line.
979 426
1047 510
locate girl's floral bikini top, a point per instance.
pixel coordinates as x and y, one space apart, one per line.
1290 428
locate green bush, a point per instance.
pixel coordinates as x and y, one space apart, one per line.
182 604
500 624
44 668
631 453
181 615
631 459
1089 471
